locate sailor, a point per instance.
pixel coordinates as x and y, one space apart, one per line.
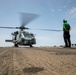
66 33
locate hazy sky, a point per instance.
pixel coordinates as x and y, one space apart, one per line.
51 14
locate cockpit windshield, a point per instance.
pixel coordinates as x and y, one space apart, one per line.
31 35
26 34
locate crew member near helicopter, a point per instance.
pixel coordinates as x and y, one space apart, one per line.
66 33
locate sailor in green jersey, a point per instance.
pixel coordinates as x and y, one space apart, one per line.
66 33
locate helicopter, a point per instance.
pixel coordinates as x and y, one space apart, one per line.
22 37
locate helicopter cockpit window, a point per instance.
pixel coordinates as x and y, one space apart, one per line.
32 35
26 34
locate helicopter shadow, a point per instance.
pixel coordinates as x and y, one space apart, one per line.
32 69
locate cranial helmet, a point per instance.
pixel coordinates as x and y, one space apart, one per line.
64 20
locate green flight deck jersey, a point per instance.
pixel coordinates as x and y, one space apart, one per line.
67 26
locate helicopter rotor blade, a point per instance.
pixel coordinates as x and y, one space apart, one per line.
27 18
22 27
49 30
8 27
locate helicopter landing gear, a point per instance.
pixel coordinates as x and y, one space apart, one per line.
16 45
31 45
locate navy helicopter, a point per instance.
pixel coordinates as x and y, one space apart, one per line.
23 37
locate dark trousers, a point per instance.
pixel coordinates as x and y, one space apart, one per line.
67 40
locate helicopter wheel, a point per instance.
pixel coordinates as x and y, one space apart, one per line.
31 45
16 45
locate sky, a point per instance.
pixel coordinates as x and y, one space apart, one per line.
51 14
